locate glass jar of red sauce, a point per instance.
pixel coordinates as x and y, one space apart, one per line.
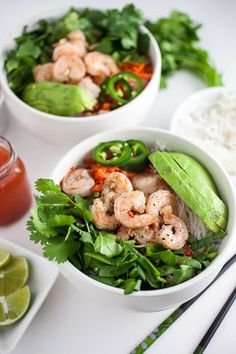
15 194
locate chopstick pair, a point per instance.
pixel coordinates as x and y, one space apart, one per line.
158 331
215 324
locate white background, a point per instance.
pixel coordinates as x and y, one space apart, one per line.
68 323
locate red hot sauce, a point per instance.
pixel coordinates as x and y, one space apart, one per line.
15 194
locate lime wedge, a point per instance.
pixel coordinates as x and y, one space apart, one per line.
14 306
13 276
5 258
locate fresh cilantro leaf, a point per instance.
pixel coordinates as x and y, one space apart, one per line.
41 227
129 39
48 212
36 236
61 220
105 46
28 48
71 20
58 250
44 185
178 39
81 208
143 43
11 65
53 198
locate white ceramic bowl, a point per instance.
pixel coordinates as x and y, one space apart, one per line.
65 131
42 275
152 300
203 98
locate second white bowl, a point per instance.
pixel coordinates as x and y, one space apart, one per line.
151 300
67 131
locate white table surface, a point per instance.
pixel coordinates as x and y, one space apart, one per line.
68 323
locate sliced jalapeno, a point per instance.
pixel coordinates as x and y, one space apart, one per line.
139 154
112 153
119 88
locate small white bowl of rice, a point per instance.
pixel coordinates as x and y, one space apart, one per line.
208 118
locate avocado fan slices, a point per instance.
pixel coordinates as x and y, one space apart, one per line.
199 196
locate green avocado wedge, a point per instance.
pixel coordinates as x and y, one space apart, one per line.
194 169
58 99
197 195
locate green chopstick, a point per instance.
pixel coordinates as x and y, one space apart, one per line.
158 331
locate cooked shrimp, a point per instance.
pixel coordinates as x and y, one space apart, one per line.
88 84
78 182
77 35
118 183
100 64
78 38
173 234
124 233
101 217
125 207
142 235
43 72
148 182
65 48
159 200
68 69
103 111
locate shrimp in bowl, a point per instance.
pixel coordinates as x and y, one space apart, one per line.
71 54
148 237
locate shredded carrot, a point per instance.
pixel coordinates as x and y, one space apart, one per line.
99 173
106 106
144 71
139 68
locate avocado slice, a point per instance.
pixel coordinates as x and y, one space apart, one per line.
209 209
58 99
194 169
201 179
183 186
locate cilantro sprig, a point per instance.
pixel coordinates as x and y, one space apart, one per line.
63 226
178 38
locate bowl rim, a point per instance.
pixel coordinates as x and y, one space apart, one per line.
196 96
53 13
217 262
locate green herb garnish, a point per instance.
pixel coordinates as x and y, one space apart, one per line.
63 225
178 38
115 32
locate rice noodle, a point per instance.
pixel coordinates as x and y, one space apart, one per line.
194 224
